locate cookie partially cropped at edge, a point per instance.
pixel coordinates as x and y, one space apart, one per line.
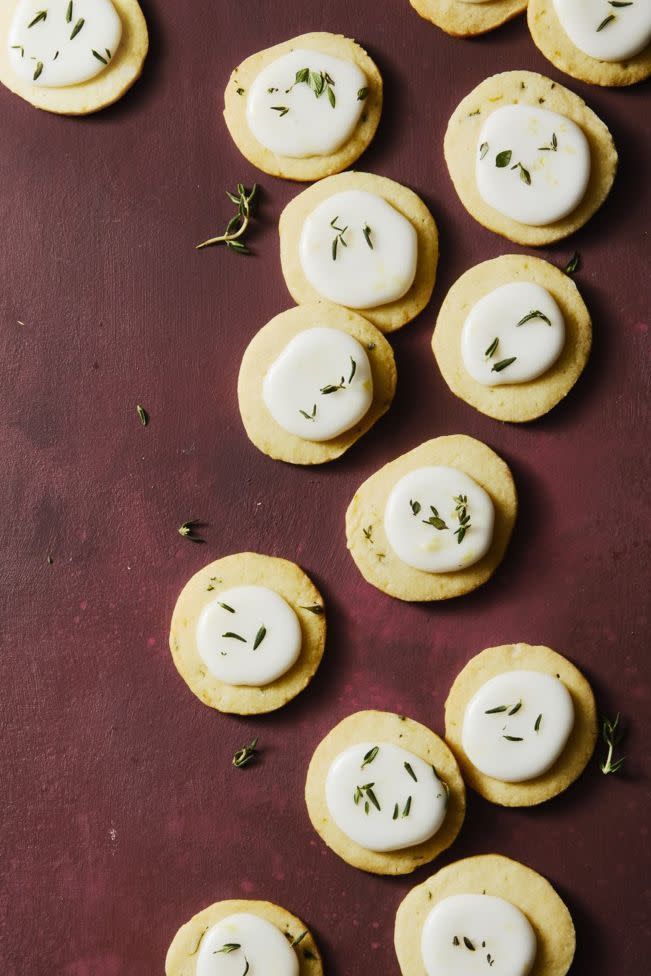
524 401
499 877
578 749
263 351
381 728
406 206
554 43
315 166
468 19
365 526
301 606
122 70
182 955
525 88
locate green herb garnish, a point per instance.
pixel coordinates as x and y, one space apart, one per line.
238 224
41 15
246 754
281 109
309 416
605 22
188 531
611 733
99 56
573 264
370 756
483 149
367 236
75 30
415 507
362 94
503 158
143 416
492 349
410 770
435 520
503 363
552 147
339 239
525 175
259 637
38 71
534 314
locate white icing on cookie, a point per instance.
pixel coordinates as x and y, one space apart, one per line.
384 797
608 30
513 334
517 725
320 386
245 943
439 520
57 43
306 103
358 250
473 935
248 635
532 165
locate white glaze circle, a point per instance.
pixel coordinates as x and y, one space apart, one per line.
230 627
260 944
625 30
547 172
412 801
525 737
502 939
427 494
320 385
359 270
508 314
47 55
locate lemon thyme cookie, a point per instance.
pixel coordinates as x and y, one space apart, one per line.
528 158
306 108
312 381
521 721
603 43
71 58
484 913
248 633
465 18
434 523
240 936
512 337
338 237
384 793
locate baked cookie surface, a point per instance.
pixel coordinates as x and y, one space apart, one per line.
468 19
529 89
312 167
247 569
381 727
516 402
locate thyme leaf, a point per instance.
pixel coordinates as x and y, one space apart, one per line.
143 416
605 22
259 637
503 363
534 314
492 349
75 30
41 15
503 158
370 756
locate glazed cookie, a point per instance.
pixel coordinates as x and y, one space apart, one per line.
597 42
248 633
466 18
512 337
306 108
528 158
256 935
72 58
522 722
338 237
385 793
312 381
434 523
502 912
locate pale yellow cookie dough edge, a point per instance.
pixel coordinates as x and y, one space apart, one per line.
181 959
313 167
490 874
519 402
468 19
393 315
551 40
526 88
263 431
97 93
375 726
367 540
247 569
580 745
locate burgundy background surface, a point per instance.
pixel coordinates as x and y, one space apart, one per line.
122 813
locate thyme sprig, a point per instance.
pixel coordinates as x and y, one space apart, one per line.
318 81
534 314
237 225
281 109
612 733
339 238
343 383
246 754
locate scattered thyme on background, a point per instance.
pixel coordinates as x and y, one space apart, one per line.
612 733
189 531
246 754
143 416
237 225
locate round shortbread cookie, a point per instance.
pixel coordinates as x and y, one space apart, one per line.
374 726
519 401
468 19
526 88
97 93
579 747
389 317
312 167
490 874
248 569
368 542
181 959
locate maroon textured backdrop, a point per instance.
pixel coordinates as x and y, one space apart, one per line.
122 813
